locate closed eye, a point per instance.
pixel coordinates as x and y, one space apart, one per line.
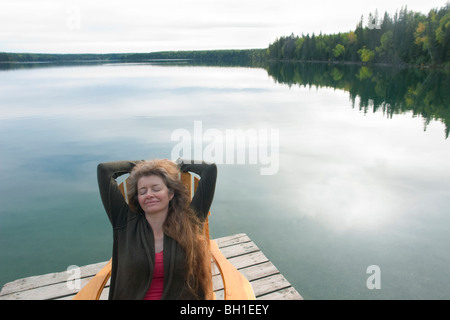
154 188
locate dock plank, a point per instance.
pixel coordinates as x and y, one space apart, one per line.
34 282
267 282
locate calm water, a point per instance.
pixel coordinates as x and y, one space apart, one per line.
359 182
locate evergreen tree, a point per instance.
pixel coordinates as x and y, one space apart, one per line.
406 38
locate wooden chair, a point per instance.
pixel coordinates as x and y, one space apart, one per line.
236 286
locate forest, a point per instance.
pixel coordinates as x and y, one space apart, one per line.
407 37
216 56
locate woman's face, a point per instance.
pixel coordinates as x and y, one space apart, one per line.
153 194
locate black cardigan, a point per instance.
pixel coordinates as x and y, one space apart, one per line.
133 256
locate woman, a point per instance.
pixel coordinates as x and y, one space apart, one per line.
159 251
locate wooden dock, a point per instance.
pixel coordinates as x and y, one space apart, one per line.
267 282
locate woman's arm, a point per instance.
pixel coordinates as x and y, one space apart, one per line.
115 205
203 197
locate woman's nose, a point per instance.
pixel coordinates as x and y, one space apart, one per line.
150 194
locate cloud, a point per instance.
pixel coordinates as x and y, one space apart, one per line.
143 25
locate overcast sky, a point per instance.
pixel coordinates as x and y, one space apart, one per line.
104 26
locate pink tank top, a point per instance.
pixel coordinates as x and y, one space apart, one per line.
156 287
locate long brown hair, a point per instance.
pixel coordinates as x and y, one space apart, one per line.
182 224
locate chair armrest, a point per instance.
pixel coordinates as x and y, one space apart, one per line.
93 289
236 286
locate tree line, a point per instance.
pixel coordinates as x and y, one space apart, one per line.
199 55
407 37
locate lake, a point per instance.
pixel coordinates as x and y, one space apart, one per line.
340 169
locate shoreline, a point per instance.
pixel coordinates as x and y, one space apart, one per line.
376 64
441 67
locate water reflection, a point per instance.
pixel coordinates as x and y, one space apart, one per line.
390 90
379 89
